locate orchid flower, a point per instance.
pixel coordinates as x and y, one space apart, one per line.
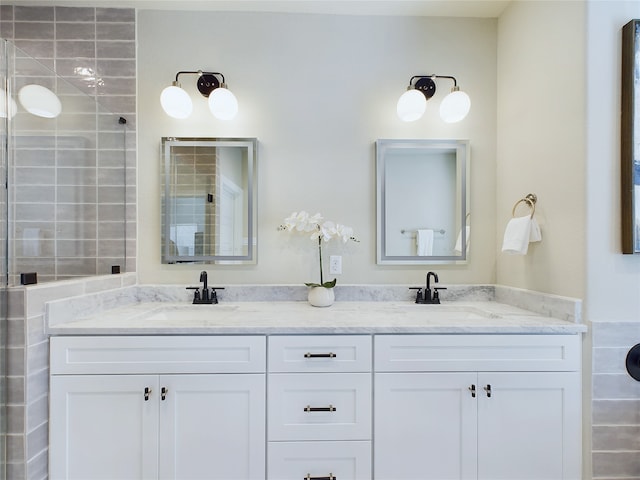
320 230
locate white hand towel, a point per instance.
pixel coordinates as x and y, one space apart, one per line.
535 235
516 236
458 247
424 242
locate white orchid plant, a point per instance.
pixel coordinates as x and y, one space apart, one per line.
319 230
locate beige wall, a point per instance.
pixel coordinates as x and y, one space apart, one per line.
542 149
559 133
541 141
317 91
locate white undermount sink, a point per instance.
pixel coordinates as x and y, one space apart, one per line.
441 310
179 313
188 312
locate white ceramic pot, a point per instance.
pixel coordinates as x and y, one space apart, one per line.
321 296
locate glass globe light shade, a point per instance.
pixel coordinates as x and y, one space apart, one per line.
223 104
455 106
411 105
176 102
40 101
11 105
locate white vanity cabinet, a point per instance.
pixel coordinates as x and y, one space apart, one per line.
304 404
157 407
319 407
484 407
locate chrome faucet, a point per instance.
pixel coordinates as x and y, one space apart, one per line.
428 298
205 297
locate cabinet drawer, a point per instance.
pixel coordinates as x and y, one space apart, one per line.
320 353
319 460
410 353
321 406
140 354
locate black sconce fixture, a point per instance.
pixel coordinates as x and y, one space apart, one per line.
222 103
412 104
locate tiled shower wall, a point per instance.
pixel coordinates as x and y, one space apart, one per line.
615 403
94 49
67 182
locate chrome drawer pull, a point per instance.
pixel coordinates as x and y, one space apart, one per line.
309 408
330 477
319 355
488 390
147 393
163 395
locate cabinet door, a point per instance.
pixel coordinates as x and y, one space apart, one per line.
425 426
528 427
212 427
103 427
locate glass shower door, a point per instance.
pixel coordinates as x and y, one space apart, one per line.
3 258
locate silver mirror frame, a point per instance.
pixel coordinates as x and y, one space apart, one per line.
251 145
462 150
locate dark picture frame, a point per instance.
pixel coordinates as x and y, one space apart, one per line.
630 138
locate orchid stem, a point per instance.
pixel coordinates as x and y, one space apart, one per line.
320 252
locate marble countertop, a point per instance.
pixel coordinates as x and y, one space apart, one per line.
298 317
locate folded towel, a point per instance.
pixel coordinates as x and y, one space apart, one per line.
535 235
516 236
458 247
424 242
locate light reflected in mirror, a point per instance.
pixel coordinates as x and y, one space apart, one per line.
209 200
422 201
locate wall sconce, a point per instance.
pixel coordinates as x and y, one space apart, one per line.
412 104
222 103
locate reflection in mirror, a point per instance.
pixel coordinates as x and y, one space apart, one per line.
209 200
422 201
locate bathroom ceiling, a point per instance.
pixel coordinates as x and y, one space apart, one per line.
439 8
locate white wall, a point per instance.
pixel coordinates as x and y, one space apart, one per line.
613 288
317 91
541 141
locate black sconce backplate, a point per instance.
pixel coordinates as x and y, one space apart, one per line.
427 86
207 83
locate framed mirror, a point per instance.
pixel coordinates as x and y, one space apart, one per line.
630 137
209 204
422 191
